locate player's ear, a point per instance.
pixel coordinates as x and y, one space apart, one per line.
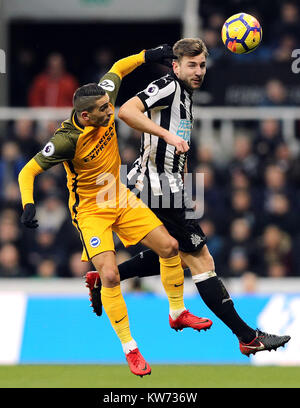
175 65
85 115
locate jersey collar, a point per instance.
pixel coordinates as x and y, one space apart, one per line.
76 122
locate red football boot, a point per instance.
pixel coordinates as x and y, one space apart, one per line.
187 319
137 363
93 282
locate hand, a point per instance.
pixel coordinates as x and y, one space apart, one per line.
180 144
28 215
161 54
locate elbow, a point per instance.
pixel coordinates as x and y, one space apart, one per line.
123 113
131 111
20 175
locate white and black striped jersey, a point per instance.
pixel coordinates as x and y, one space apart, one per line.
169 104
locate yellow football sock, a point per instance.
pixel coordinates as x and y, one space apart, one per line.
172 277
116 310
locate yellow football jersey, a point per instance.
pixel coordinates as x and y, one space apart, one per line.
98 201
90 157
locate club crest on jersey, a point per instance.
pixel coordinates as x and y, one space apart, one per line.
95 242
152 90
48 150
108 85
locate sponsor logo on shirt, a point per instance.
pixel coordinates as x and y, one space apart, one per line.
108 85
184 129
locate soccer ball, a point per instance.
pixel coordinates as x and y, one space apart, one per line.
241 33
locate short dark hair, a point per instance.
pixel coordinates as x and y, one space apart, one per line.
85 97
189 47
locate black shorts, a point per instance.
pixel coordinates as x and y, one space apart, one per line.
180 222
188 232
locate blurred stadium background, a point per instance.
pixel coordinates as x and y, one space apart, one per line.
246 141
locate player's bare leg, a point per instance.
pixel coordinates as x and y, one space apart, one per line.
172 277
116 310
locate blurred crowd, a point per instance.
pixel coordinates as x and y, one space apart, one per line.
251 213
51 81
251 204
251 197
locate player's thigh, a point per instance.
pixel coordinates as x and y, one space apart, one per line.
106 265
161 242
186 231
135 222
198 262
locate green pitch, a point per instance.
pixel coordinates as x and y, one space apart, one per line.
163 376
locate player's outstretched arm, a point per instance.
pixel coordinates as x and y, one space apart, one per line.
161 54
132 113
111 81
126 65
26 183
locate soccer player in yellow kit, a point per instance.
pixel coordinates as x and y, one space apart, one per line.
99 203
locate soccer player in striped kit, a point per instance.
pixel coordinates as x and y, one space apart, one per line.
163 109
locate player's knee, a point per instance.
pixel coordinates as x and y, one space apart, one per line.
174 246
109 276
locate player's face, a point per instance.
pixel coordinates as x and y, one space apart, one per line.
191 70
101 114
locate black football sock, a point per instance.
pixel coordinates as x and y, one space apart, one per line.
144 264
217 299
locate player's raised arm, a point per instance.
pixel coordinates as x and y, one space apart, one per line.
132 113
111 81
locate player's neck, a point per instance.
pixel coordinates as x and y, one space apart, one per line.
182 83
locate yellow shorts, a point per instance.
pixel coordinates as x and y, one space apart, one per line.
131 224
